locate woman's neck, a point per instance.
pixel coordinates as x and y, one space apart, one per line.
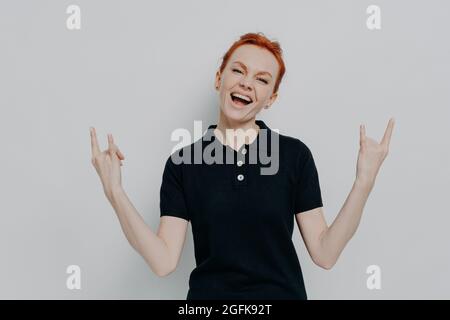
242 132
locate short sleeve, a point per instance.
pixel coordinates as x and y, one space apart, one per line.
172 198
307 192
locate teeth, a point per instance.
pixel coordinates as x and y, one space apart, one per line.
242 97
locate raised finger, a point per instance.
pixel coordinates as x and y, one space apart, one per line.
111 148
362 134
388 133
94 143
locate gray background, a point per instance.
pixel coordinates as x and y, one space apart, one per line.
141 69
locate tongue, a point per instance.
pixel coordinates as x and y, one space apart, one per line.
239 102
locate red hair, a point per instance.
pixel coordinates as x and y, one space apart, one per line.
260 40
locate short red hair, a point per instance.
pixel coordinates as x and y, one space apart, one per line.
260 40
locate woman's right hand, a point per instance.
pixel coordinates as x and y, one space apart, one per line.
107 163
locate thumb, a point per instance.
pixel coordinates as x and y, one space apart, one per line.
112 149
119 153
115 158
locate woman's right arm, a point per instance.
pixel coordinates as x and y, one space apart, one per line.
161 251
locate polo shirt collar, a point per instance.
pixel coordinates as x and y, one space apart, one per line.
260 123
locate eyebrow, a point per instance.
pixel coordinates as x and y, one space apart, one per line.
261 72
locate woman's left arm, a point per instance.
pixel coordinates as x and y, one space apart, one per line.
325 244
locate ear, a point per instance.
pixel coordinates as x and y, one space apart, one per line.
217 82
272 100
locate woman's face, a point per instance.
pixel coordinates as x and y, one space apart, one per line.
247 82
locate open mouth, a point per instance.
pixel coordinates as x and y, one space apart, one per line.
240 100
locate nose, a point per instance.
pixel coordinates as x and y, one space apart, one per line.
244 83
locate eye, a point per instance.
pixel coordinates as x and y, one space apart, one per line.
263 80
237 70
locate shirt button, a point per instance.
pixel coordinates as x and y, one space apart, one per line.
240 177
244 151
240 163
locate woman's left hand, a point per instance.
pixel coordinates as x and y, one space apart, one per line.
372 154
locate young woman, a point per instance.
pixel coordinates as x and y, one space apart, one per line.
242 219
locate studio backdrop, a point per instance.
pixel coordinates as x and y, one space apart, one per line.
143 69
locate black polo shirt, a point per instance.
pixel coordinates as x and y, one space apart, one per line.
242 220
